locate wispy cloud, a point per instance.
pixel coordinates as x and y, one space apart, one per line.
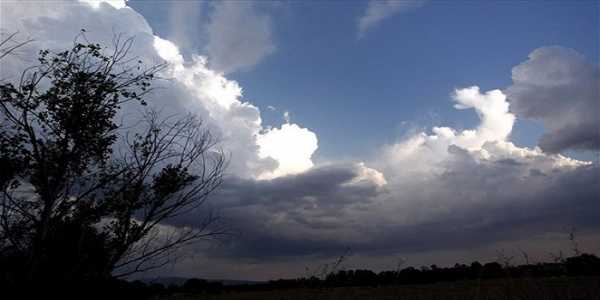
240 36
379 10
185 18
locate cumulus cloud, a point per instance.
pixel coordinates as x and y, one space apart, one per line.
291 146
560 88
379 10
239 35
114 3
438 191
194 87
424 152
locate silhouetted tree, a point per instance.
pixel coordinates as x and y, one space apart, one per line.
583 265
71 207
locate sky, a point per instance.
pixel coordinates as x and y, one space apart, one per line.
381 76
427 131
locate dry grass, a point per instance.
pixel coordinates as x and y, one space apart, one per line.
525 289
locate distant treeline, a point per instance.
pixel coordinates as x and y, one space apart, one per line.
581 265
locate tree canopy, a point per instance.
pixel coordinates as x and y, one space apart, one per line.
82 196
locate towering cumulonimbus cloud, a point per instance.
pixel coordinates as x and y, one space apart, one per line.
195 87
560 88
467 186
291 146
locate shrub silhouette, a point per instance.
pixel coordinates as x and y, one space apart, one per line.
583 265
196 285
492 270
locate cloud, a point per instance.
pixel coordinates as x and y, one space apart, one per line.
291 146
423 152
233 36
286 116
558 87
439 191
185 19
379 10
470 204
295 214
239 35
114 3
193 86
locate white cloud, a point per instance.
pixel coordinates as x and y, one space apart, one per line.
168 51
379 10
239 36
366 175
193 87
114 3
427 153
291 146
286 116
492 108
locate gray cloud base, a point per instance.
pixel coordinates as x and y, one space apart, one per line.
315 214
557 86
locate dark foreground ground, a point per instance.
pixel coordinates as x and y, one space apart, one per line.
579 288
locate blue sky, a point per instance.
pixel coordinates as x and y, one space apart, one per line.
362 93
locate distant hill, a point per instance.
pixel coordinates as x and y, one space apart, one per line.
236 282
181 280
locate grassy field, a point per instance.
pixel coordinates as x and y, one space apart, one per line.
534 289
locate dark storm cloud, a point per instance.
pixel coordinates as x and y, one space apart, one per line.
272 218
318 182
318 213
559 87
